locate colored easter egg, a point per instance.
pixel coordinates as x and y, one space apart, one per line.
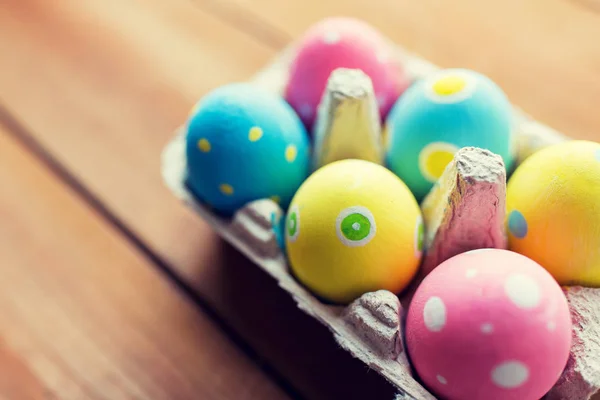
440 114
353 227
489 325
245 144
341 43
553 211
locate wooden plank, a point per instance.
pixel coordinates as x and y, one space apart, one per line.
101 85
82 315
544 53
117 77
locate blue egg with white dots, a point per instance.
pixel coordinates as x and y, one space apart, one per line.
438 115
244 143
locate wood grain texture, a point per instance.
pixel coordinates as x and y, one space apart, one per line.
101 85
118 76
82 315
544 53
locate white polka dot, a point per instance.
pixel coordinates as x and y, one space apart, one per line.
551 326
522 291
434 314
331 37
442 380
471 272
510 374
487 328
356 226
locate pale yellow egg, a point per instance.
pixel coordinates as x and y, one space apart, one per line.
553 202
353 227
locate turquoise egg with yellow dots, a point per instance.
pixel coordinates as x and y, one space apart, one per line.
438 115
244 143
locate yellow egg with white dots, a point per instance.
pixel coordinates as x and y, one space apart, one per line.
553 206
353 227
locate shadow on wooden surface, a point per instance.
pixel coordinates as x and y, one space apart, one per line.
315 359
84 316
107 131
100 87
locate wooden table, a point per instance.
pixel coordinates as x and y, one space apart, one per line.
109 288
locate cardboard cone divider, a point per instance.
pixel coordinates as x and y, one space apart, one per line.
472 186
581 377
464 211
348 104
467 207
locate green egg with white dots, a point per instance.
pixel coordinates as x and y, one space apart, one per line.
244 143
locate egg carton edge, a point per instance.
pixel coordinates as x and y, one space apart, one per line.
531 136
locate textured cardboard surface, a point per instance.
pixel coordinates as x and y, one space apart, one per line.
353 329
466 209
348 103
581 379
370 328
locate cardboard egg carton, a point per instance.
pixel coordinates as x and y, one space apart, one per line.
371 327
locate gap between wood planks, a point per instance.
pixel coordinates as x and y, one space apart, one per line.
28 141
106 96
101 85
83 317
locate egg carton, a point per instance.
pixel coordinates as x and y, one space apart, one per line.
370 328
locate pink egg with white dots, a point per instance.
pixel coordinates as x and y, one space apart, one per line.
342 43
489 324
